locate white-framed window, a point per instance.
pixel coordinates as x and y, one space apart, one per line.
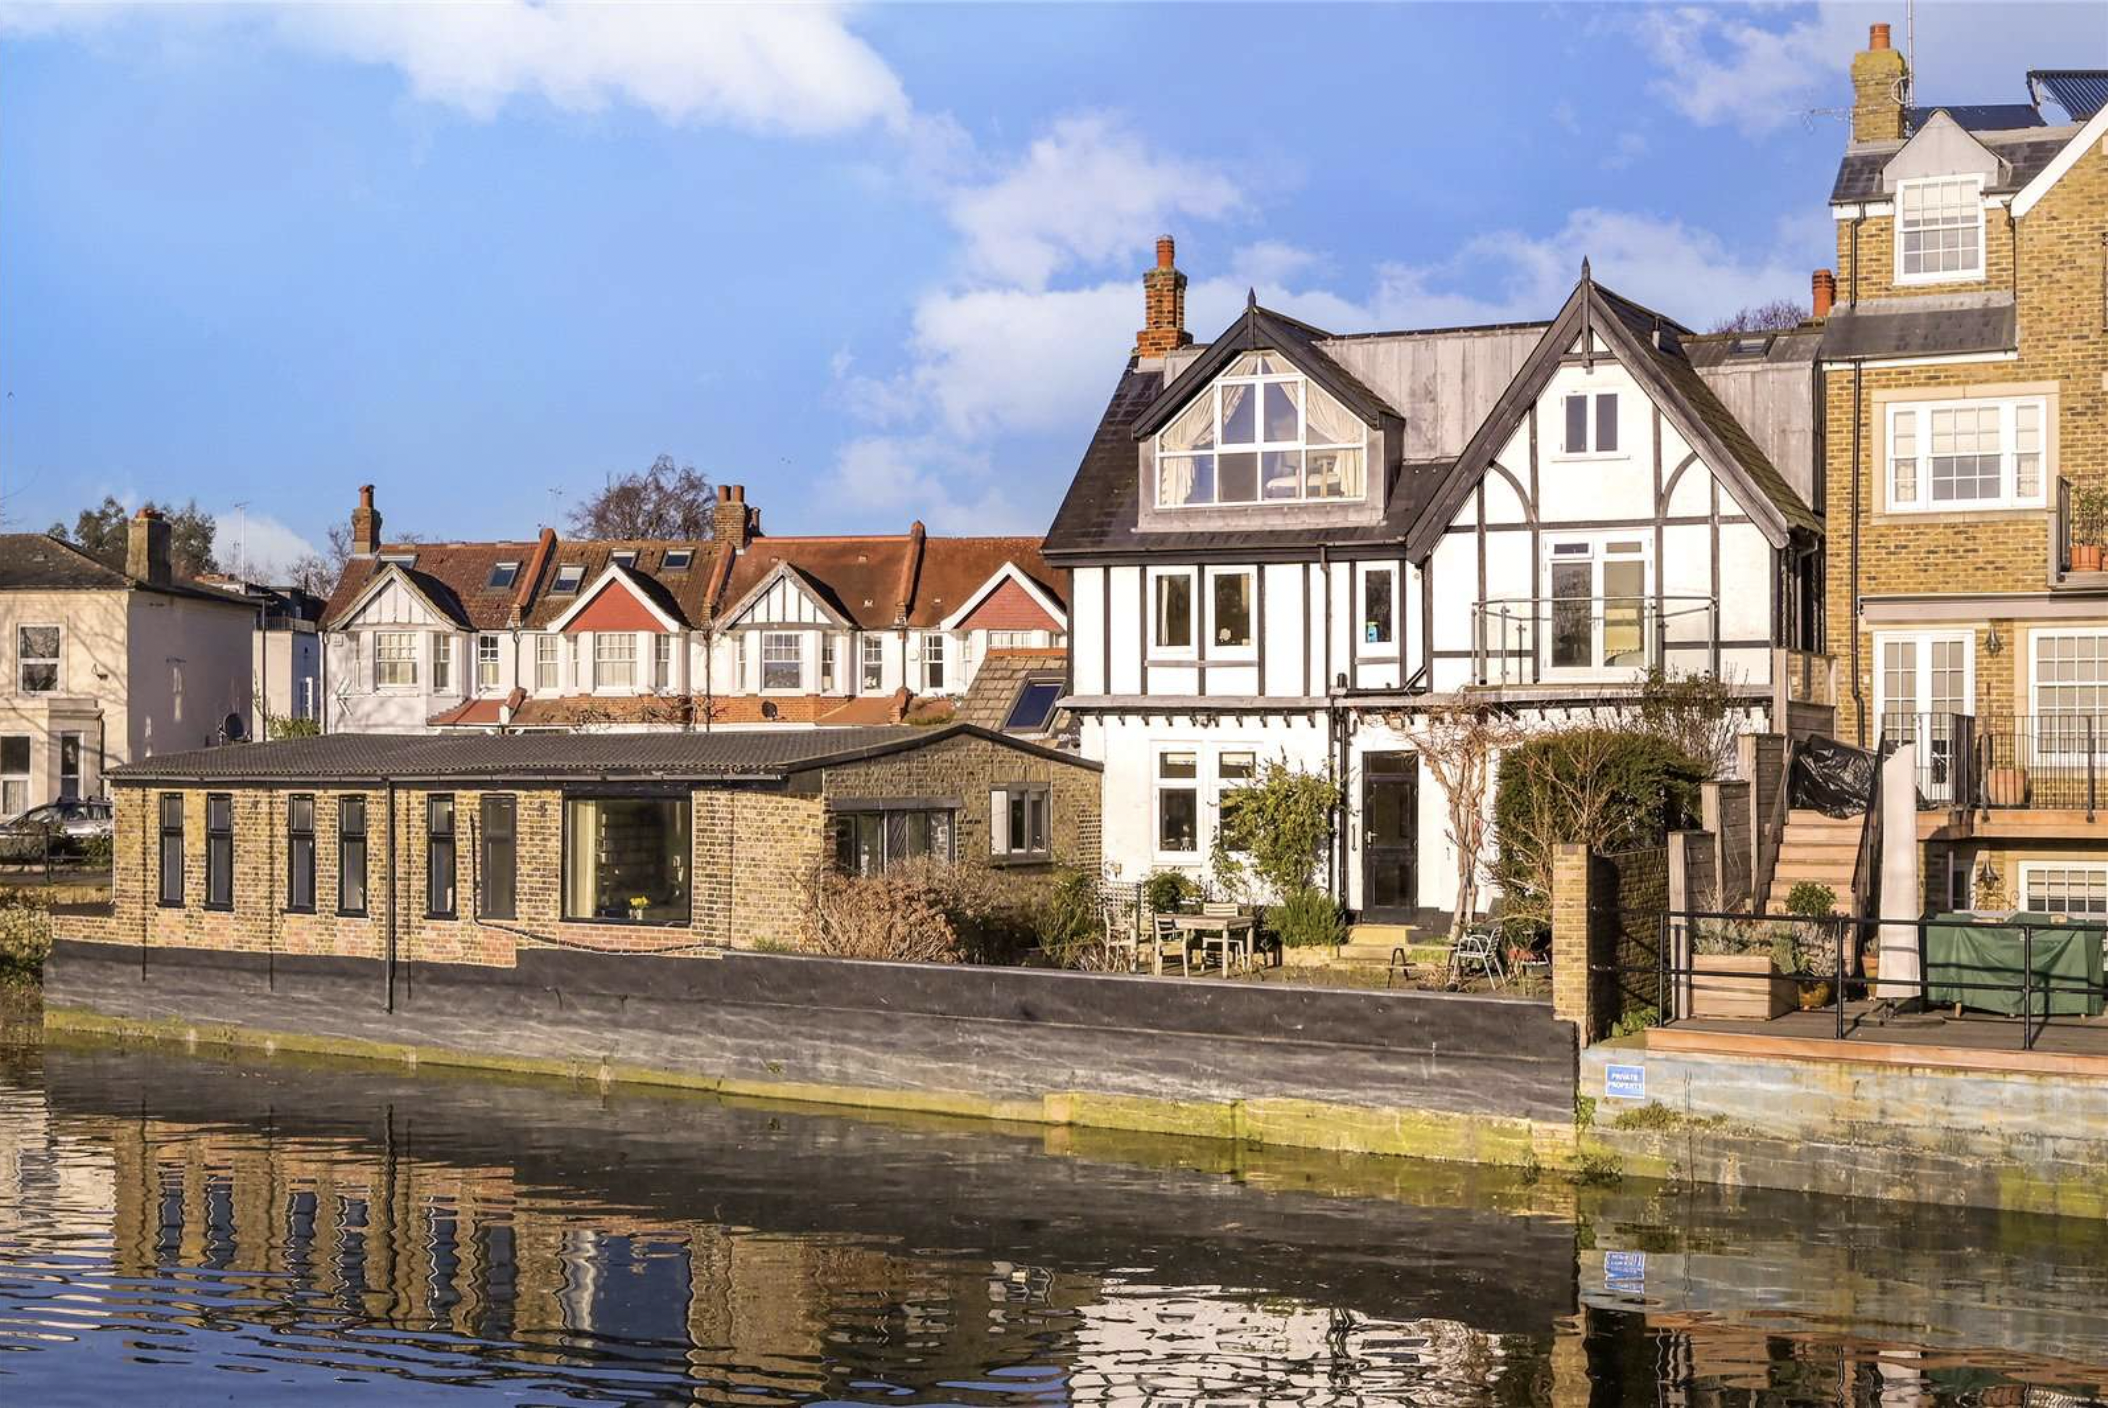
614 659
2064 887
662 661
1598 612
2068 674
14 775
1379 608
37 650
578 664
1235 770
568 577
739 661
782 660
1232 612
934 652
1178 802
486 662
395 659
548 653
1958 455
1016 640
1940 229
1263 433
827 669
1018 822
442 664
1171 612
873 674
1589 423
1923 680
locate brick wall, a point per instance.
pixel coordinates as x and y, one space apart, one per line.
965 768
1606 917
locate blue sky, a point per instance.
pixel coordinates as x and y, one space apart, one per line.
875 263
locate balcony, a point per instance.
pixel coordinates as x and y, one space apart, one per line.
2055 765
2063 574
1584 640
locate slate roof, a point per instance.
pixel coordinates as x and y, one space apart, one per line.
880 581
1262 329
1859 172
727 755
38 562
1927 325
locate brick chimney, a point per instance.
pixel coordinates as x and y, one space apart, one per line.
732 522
1822 289
146 548
1163 305
365 525
1879 81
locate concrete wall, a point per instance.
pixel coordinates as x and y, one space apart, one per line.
1439 1074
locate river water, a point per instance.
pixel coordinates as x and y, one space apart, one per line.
188 1228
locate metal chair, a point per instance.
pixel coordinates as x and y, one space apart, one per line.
1478 948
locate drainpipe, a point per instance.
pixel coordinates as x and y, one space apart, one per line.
388 967
1858 388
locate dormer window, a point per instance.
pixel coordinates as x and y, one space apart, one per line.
404 560
1263 433
624 558
1940 229
568 577
677 559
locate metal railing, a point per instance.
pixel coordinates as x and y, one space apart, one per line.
1946 756
2017 981
1547 640
2041 762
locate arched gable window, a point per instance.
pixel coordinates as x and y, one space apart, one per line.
1263 433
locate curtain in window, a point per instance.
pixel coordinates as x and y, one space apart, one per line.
1237 426
1333 473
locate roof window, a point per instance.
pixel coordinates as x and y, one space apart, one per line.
678 559
403 560
568 577
504 574
1750 345
625 557
1034 706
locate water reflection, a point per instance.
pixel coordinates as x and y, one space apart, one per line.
179 1228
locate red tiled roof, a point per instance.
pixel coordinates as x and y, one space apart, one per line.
879 581
1010 608
456 576
683 595
833 710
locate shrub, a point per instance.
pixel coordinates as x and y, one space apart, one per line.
923 911
283 726
1699 714
1811 899
1274 830
99 852
1169 891
1608 789
25 935
1066 919
1307 919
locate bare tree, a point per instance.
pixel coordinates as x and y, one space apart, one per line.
1776 316
1461 746
664 501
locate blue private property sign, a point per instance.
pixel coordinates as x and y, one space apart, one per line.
1625 1082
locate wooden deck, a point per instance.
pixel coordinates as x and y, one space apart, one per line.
1973 1041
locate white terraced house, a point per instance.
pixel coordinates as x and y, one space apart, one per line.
1288 544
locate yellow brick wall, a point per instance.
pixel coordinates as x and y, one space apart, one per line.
2059 286
1877 260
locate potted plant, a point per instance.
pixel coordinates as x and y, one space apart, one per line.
2005 786
2089 523
1812 942
1738 973
638 904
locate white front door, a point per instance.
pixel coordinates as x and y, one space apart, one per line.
1922 682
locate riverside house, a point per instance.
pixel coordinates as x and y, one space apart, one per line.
736 629
1965 402
1286 543
439 848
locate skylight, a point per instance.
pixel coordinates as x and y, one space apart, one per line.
1033 707
568 577
400 559
677 559
504 574
627 557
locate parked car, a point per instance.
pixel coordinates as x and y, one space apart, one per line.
66 827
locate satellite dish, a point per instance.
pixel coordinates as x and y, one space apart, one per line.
233 729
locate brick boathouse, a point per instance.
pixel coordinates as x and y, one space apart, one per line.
464 850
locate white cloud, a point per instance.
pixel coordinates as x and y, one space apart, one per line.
790 68
927 478
256 545
1087 191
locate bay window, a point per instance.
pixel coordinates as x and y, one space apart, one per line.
442 664
782 660
1958 455
626 859
486 663
1940 230
614 660
395 660
662 662
1263 433
874 664
546 658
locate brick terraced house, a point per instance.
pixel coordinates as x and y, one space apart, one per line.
442 848
739 629
1965 433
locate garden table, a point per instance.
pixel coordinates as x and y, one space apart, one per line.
1232 933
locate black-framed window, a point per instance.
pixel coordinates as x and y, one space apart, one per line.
439 856
351 855
626 859
498 894
300 853
873 839
219 850
172 850
1018 822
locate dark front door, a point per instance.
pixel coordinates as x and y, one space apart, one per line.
1390 806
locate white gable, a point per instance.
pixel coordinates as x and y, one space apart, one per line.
1942 147
780 600
390 600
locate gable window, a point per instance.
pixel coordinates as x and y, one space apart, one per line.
1591 424
486 662
439 856
496 895
1597 598
1947 455
351 855
568 577
300 853
547 650
872 837
1173 617
1230 610
614 660
219 850
1017 822
1376 606
1940 229
171 850
504 574
1178 802
874 664
395 659
662 661
933 675
37 659
1263 433
626 859
14 775
782 660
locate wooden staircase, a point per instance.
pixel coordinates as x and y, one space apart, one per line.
1818 848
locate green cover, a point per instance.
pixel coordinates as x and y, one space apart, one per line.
1961 950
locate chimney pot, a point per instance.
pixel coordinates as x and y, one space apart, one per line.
1823 293
732 522
365 525
1877 36
146 555
1165 249
1163 305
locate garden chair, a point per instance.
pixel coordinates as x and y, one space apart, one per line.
1477 948
1165 937
1234 942
1123 940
